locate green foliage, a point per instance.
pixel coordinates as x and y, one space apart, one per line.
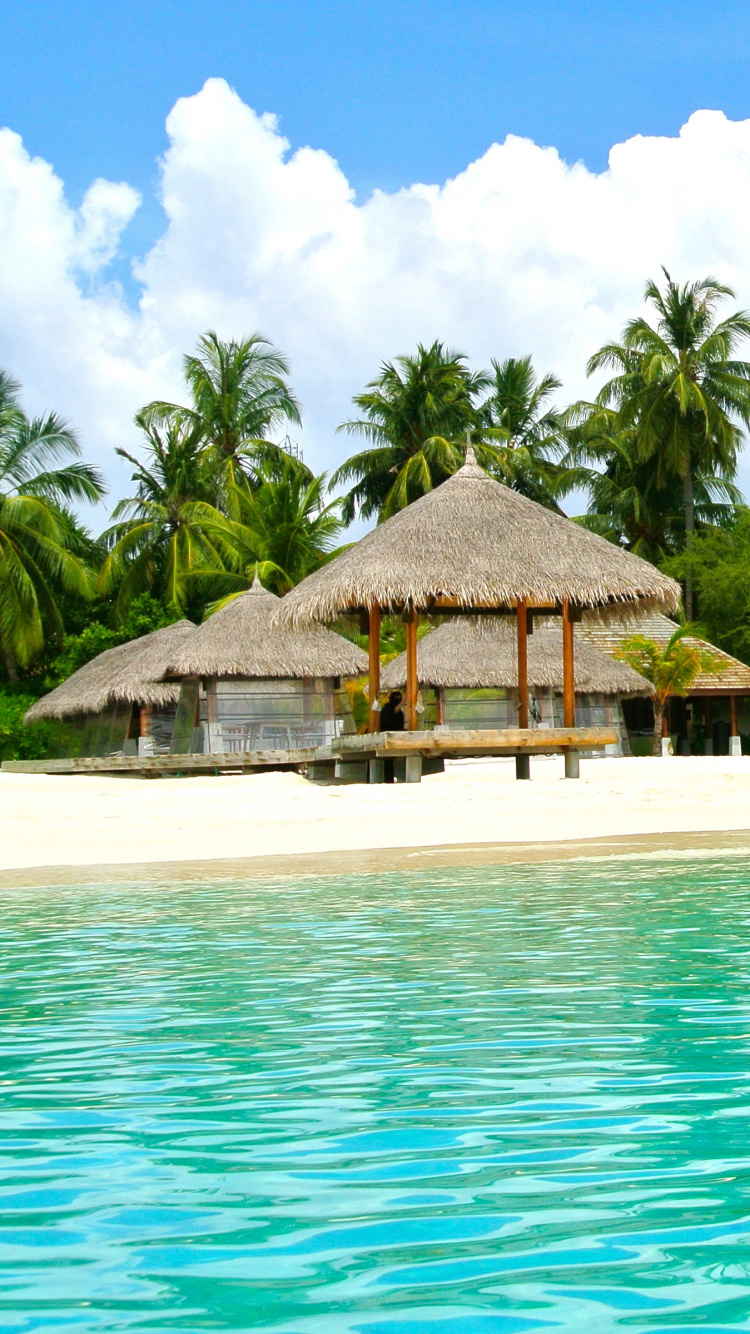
718 563
671 668
17 741
415 416
42 549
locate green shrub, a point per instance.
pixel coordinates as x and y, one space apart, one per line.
17 741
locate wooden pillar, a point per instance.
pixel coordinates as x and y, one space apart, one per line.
373 672
569 689
709 746
522 630
412 684
145 721
439 706
733 716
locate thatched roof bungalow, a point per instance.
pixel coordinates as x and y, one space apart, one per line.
714 717
473 545
117 701
250 684
469 670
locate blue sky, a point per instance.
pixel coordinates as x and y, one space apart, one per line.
396 92
223 223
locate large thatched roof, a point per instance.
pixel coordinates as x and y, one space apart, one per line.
481 652
733 677
128 674
478 542
243 640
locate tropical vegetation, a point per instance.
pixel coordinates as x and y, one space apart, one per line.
218 492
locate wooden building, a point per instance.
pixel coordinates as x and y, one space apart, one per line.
117 704
250 685
714 719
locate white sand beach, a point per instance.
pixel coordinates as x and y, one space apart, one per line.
89 821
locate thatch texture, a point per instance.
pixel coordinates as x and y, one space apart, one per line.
127 674
475 540
733 678
477 652
243 640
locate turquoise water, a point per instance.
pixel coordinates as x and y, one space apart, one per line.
477 1102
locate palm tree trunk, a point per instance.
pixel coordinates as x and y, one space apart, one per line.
658 726
11 669
687 494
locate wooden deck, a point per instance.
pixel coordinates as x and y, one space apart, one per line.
354 758
156 766
446 743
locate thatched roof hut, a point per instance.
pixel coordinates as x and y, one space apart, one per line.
481 653
243 639
128 674
474 543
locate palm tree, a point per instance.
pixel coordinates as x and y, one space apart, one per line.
239 396
671 668
681 387
415 416
40 543
284 532
160 537
629 502
525 435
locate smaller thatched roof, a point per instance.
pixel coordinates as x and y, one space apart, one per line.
478 652
477 543
243 639
127 674
733 677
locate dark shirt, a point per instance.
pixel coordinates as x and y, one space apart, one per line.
391 719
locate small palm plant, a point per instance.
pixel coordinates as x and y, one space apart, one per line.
671 668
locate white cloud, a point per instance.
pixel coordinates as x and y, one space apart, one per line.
518 253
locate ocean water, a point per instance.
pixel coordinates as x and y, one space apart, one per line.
440 1102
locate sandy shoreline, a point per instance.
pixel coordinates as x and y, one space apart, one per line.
103 821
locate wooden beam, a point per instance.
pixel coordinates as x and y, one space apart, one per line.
440 706
733 716
522 631
373 648
569 689
144 721
412 683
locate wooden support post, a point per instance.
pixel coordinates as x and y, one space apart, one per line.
439 706
709 746
522 631
412 683
145 721
373 648
569 689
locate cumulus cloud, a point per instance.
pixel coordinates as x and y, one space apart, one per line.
521 252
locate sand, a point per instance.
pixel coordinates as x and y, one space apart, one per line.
68 821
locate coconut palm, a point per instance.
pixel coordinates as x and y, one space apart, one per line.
671 668
681 386
239 397
630 503
415 416
523 435
284 532
41 545
161 536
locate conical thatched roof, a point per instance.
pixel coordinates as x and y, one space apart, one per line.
243 639
129 674
481 652
478 542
